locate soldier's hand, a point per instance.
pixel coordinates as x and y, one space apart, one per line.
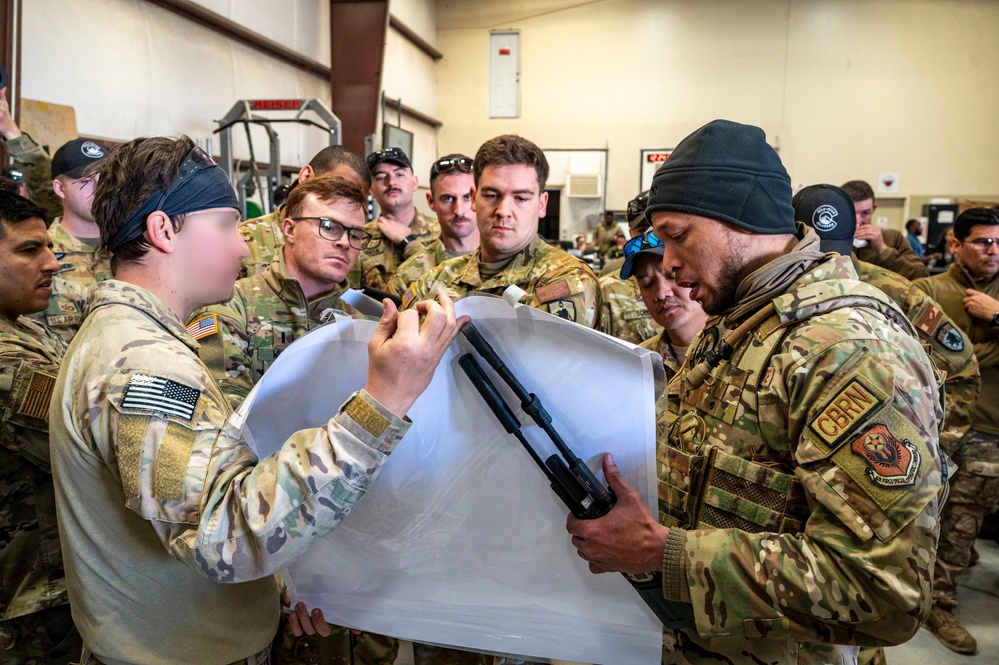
402 354
393 230
628 539
8 128
303 622
873 234
980 305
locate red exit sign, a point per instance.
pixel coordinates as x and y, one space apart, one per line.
277 104
656 157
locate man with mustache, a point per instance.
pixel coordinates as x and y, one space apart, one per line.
510 174
969 293
35 620
400 230
450 197
800 479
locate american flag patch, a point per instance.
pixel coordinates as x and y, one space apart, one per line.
35 403
203 327
153 393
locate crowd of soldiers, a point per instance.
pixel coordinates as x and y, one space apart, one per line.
825 462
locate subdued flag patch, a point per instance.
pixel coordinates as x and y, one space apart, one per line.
203 327
35 403
159 395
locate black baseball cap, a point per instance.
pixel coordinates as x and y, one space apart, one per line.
75 156
394 155
829 210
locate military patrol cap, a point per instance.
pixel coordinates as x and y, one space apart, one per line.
726 171
829 210
75 156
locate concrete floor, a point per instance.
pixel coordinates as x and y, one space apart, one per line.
978 612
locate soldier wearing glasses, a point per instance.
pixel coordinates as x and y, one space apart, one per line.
324 232
400 230
450 197
969 294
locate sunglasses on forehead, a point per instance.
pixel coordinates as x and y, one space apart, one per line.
395 154
449 165
641 243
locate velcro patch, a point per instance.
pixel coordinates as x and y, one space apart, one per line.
203 327
35 403
929 319
845 410
564 309
159 395
890 462
366 416
950 338
554 291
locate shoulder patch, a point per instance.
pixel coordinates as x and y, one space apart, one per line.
564 309
35 403
890 462
204 326
950 338
159 395
553 291
928 319
847 408
409 295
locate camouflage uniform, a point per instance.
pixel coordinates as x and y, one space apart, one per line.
35 621
974 489
813 456
660 344
419 264
173 528
242 338
897 256
379 262
264 237
84 266
625 315
605 237
554 280
36 165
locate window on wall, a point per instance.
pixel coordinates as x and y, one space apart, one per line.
504 74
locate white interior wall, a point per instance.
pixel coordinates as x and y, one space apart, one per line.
844 88
130 68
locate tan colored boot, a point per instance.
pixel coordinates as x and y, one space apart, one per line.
951 634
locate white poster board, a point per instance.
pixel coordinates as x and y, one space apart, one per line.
460 541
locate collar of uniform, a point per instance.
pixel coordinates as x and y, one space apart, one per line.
62 241
290 290
117 292
33 336
961 275
471 275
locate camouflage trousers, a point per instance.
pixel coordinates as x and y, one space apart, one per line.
42 638
974 492
424 654
340 648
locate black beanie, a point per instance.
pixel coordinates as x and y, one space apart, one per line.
726 171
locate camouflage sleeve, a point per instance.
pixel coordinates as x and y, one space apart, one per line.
37 167
26 383
572 293
215 506
373 274
225 347
862 430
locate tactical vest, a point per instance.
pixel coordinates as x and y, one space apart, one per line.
702 485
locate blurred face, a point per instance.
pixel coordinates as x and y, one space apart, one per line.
669 303
317 262
451 200
865 211
393 185
26 268
77 196
207 254
508 205
983 264
702 254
